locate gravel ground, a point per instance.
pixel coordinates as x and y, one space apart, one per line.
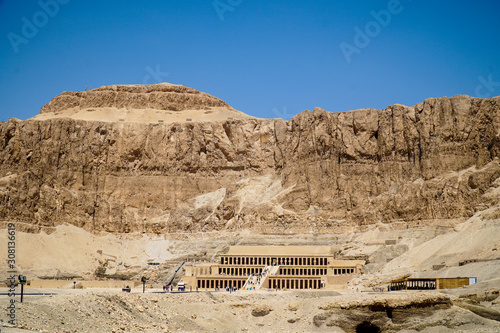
244 311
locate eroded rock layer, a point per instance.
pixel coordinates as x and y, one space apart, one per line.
319 171
163 96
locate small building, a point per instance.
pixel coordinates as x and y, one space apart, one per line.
274 267
428 283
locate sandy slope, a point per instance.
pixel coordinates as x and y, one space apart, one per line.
71 251
415 251
112 114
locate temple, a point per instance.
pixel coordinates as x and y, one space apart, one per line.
274 267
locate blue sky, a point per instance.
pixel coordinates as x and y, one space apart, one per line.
266 58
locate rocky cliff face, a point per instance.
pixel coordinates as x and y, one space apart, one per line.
318 172
163 96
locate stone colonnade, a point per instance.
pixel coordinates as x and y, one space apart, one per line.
302 271
239 271
220 283
273 261
343 271
277 283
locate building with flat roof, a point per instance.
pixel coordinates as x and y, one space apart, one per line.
429 283
274 267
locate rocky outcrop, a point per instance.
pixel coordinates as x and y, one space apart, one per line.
261 310
319 171
163 96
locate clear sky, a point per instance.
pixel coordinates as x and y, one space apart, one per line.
267 58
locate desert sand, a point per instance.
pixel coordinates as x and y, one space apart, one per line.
243 311
110 114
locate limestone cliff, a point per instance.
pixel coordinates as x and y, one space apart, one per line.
318 172
163 96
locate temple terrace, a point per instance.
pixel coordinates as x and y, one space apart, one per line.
274 267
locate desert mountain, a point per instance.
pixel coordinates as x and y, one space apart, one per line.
154 103
320 172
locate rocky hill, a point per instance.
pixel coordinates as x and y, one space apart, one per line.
163 96
319 172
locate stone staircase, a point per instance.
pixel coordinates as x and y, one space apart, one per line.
253 282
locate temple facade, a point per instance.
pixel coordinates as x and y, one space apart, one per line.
274 267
